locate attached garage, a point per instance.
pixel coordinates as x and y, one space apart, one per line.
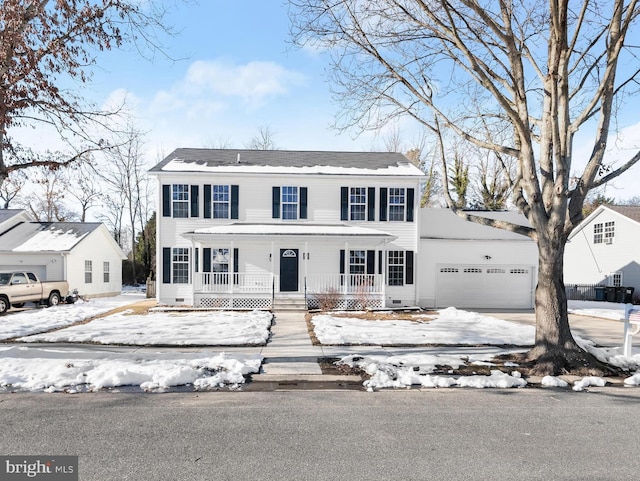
469 265
478 286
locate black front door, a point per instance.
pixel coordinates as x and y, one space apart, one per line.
288 270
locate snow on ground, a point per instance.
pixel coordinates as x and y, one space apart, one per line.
52 370
199 328
35 320
451 326
603 310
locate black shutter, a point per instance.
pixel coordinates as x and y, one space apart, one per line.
207 202
206 259
342 266
383 203
303 202
380 263
371 203
236 265
275 203
234 201
166 201
408 267
195 198
371 262
196 259
410 201
166 265
344 203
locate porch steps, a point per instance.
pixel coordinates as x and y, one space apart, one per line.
289 304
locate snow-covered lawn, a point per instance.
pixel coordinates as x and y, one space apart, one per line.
40 319
451 326
168 329
52 370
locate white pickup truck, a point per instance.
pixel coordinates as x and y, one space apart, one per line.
16 288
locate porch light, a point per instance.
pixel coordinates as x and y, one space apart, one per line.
487 257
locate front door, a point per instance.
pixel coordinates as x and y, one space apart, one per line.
288 270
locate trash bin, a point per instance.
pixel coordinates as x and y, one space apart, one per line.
600 293
620 294
611 293
628 295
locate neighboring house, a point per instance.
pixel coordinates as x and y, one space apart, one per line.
83 254
257 229
605 248
465 264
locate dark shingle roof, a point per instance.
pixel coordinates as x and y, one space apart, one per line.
630 211
284 158
6 214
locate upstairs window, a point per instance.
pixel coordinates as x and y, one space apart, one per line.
357 203
289 202
396 204
221 201
609 232
180 200
597 233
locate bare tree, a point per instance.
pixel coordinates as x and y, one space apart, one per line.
492 186
11 187
543 70
82 188
46 44
459 180
46 202
263 140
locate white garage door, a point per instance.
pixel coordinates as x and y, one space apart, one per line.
464 286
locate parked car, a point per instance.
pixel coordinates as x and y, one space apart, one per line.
16 288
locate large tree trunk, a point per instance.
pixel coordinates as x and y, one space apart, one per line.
556 351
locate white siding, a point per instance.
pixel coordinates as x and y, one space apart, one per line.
588 263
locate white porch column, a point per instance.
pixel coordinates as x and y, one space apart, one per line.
233 260
272 260
345 284
194 280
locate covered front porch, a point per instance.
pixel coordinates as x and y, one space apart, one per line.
240 266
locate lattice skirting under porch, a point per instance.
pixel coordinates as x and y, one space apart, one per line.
234 302
346 303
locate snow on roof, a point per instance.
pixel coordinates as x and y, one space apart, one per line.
46 236
287 162
337 230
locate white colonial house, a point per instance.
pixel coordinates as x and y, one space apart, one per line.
82 253
260 229
469 265
605 249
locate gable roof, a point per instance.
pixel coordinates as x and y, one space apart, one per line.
630 212
46 236
286 161
6 214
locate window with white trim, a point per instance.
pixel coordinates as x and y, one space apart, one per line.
180 200
616 279
397 201
180 265
106 274
395 268
289 202
357 203
609 231
221 198
88 272
357 262
597 233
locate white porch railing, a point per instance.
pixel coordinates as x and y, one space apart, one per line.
234 282
346 283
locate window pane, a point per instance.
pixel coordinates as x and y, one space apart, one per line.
220 201
357 203
396 204
180 265
396 268
289 202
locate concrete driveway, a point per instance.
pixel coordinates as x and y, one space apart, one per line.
604 332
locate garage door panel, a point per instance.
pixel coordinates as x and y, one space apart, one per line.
484 287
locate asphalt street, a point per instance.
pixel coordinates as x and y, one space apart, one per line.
445 434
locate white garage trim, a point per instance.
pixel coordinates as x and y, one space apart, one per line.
40 271
485 286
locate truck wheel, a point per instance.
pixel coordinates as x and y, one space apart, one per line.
54 299
4 305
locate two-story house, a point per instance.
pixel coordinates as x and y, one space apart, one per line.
251 229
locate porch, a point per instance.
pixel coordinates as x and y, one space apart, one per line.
242 290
